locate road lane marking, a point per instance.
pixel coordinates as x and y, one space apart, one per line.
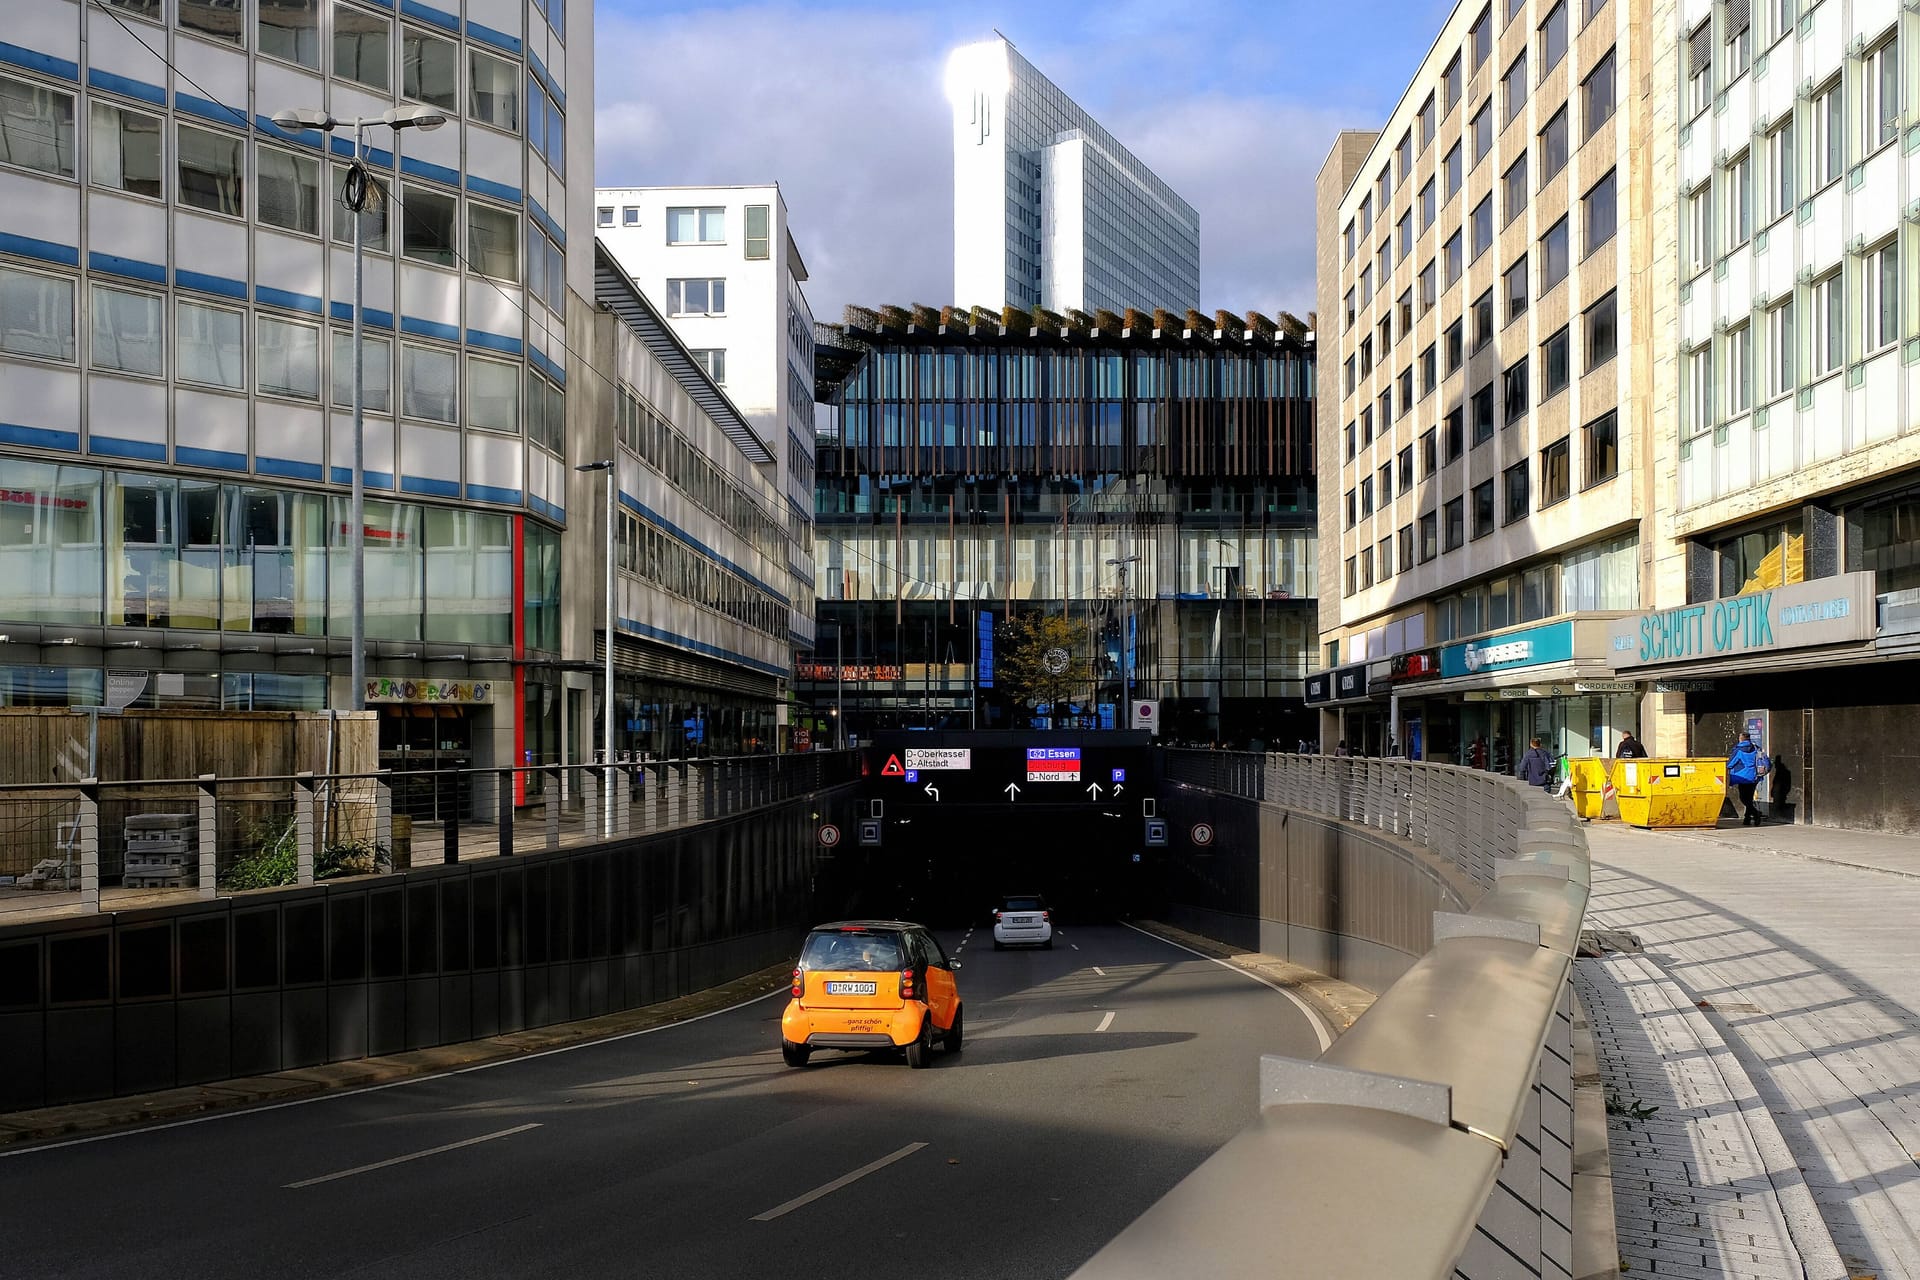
1074 945
418 1155
1313 1019
1105 1022
391 1084
1102 972
827 1189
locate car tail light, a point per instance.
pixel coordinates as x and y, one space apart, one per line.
996 915
906 984
799 984
1046 915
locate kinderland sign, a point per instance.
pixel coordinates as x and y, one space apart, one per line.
1834 610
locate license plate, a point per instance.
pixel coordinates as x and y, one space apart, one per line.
850 988
1023 920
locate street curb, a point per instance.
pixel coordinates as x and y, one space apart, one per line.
1794 853
1339 1004
18 1129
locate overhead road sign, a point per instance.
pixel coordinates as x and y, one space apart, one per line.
1053 764
939 758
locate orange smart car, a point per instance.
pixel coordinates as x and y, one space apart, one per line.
871 984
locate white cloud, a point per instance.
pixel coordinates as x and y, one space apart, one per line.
843 107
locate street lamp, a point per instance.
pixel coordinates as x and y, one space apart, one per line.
606 750
355 196
1123 563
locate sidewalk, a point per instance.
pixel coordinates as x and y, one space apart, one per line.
1776 1008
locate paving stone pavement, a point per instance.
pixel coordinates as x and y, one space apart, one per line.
1799 976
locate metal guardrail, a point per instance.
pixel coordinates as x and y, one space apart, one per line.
1378 1159
80 848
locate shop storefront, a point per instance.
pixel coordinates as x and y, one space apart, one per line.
1352 716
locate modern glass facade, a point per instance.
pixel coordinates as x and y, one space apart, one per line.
978 473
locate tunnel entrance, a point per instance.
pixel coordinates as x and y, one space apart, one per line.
964 818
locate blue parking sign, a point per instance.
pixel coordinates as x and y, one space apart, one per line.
913 775
1119 775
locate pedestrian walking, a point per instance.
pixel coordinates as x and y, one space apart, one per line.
1745 767
1536 766
1630 748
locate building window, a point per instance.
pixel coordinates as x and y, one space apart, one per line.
1451 256
1480 38
1430 450
630 215
1740 369
361 49
1453 171
1406 235
1406 548
1829 323
290 29
1455 352
1513 88
1880 96
1386 261
1429 370
1514 184
286 358
212 171
1780 183
1554 480
1352 440
759 232
1482 132
123 152
1366 567
1353 575
1555 365
1482 227
1403 154
429 383
1406 388
1426 122
36 315
376 372
1455 441
1366 216
1553 38
1603 448
1780 349
1455 514
1514 486
1483 320
287 192
1406 468
429 224
493 92
1739 38
1598 210
1596 95
429 69
1516 289
127 335
493 241
218 19
1349 239
1385 557
1697 229
1384 483
210 345
1429 536
1406 315
1366 497
1829 128
1353 508
697 297
1513 393
1429 289
1603 336
696 226
1553 147
1880 300
1700 397
714 361
493 394
1429 204
1699 50
1482 409
603 216
373 218
1739 188
1450 87
1483 521
1383 186
1366 357
1553 256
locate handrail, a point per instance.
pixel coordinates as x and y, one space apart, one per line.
1378 1158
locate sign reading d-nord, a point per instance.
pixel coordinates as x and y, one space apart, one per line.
1832 610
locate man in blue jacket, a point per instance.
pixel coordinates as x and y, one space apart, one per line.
1745 767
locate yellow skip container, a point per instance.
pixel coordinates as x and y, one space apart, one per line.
1670 793
1592 794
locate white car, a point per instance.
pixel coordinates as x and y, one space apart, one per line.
1022 919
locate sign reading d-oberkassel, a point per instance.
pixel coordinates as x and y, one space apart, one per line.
1835 610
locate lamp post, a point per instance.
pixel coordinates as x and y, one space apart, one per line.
606 750
1123 563
355 197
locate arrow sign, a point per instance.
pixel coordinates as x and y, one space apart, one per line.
1118 788
1013 791
932 791
1093 788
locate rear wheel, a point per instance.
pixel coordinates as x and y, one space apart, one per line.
1047 945
999 945
794 1055
951 1040
920 1051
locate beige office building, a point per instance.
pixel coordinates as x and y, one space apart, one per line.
1482 403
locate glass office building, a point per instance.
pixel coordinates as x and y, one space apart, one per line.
1049 209
978 471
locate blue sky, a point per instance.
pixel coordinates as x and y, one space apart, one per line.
1234 103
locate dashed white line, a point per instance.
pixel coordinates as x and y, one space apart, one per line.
417 1155
800 1202
1074 945
1105 1022
1102 972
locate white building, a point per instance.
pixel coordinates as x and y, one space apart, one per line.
721 264
1048 208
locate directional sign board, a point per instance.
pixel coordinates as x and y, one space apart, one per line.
1053 764
939 758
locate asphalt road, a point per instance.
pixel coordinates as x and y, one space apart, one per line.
1094 1077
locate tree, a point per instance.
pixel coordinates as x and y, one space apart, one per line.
1029 666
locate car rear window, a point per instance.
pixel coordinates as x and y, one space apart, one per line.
852 951
1022 904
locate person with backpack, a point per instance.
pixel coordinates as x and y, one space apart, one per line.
1536 766
1745 767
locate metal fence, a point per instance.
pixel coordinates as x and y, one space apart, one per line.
87 847
1434 1138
